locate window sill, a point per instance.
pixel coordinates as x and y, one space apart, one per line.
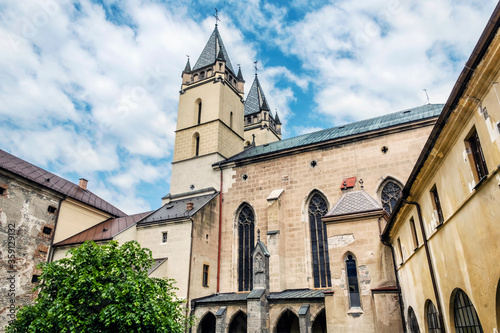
479 183
355 311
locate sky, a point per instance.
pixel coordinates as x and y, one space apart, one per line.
90 88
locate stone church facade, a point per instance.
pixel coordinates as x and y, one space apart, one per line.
311 234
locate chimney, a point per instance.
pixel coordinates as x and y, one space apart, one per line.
83 183
190 205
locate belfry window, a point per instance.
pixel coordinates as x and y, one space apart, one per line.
246 224
433 319
390 195
319 242
199 113
466 319
352 281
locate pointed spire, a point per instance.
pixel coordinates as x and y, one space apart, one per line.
277 119
187 69
211 52
256 100
240 76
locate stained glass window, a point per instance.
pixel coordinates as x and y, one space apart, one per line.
319 242
246 222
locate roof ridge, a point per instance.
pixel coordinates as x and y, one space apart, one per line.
55 183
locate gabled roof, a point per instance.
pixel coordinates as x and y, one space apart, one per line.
178 209
55 183
105 230
211 51
354 202
360 127
256 100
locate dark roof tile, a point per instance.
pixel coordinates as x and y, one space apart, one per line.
60 185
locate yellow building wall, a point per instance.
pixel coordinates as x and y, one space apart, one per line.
465 249
75 217
176 249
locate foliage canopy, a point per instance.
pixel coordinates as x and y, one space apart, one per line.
102 289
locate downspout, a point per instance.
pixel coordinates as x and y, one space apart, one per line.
189 270
220 231
429 262
400 296
50 257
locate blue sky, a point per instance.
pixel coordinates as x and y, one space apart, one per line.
90 88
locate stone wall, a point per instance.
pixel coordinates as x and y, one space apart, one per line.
26 231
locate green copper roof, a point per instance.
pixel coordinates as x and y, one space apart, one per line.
211 51
364 126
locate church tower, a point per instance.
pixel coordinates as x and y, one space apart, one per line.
261 126
209 119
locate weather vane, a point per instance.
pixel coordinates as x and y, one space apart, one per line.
427 95
216 15
255 66
187 55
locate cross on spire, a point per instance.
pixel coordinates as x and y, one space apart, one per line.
255 66
216 15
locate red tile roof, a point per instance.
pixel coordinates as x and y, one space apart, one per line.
105 230
47 179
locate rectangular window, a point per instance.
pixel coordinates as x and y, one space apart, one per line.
47 230
205 275
2 191
164 237
400 249
414 233
51 209
437 205
478 163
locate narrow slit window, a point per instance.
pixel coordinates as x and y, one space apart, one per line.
199 113
205 275
414 233
478 162
352 279
400 250
437 205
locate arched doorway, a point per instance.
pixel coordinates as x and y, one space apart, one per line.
207 324
239 323
288 323
319 324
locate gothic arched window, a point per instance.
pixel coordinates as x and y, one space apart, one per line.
466 319
433 319
319 242
390 195
352 281
412 319
246 223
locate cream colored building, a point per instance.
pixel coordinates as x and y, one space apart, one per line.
446 231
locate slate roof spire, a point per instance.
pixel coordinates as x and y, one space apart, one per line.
277 119
187 69
256 100
240 76
213 51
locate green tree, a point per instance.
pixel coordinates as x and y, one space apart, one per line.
102 289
